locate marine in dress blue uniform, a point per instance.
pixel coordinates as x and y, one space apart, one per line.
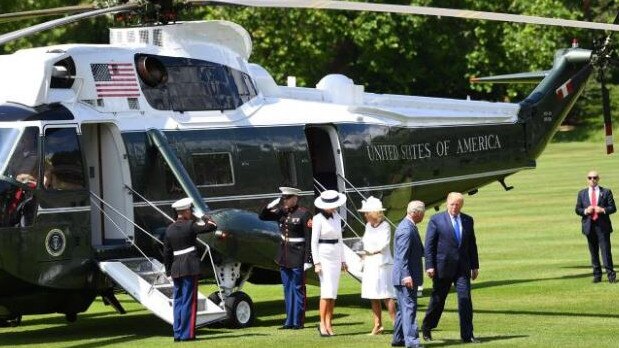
295 225
183 265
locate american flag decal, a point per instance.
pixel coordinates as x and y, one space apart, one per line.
564 90
115 80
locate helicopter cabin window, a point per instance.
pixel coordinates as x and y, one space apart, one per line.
212 169
24 163
184 84
63 168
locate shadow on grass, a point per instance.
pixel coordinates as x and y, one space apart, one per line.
495 283
485 339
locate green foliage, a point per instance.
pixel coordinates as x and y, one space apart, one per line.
387 53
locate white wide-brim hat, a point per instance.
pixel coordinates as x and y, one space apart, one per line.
182 204
371 204
330 199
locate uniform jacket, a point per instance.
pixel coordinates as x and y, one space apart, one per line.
180 235
605 200
293 223
442 250
408 253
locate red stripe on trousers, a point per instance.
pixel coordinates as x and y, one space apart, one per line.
194 308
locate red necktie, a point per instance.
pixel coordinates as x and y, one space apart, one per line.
594 202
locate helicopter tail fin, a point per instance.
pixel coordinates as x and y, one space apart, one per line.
543 111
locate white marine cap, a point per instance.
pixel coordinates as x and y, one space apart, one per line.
371 204
329 199
182 204
289 191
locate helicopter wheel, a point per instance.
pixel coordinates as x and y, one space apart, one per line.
240 310
71 317
11 322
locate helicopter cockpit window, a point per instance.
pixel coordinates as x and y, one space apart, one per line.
212 169
23 165
63 160
194 85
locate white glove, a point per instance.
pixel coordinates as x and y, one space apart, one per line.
274 203
307 266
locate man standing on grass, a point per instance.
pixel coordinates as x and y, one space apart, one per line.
594 204
451 258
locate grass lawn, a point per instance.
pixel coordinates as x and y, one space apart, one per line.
534 287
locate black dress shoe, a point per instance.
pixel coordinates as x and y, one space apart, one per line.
285 327
427 335
597 279
471 340
401 344
612 278
296 327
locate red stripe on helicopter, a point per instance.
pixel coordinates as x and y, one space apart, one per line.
564 90
115 80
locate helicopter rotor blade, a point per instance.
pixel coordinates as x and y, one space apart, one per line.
608 127
65 20
410 9
15 16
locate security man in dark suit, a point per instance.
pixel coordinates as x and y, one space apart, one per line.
451 257
595 204
183 265
293 257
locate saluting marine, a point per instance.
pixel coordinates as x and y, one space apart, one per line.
295 225
183 265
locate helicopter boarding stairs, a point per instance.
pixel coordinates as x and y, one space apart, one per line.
144 279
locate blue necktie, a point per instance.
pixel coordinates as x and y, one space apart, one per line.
457 230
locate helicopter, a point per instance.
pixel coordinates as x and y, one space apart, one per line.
97 141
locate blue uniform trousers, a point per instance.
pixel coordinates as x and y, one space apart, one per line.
185 307
405 325
293 280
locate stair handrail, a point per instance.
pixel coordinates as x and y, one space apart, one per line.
363 196
123 232
207 248
316 185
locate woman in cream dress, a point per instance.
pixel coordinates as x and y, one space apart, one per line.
377 262
328 254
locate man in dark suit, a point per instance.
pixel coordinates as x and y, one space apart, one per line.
594 204
407 275
183 265
451 257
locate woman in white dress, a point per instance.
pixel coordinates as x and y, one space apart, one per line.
328 254
377 262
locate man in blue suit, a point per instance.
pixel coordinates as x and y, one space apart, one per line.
407 275
594 204
451 257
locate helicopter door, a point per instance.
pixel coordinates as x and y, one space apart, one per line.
108 173
326 155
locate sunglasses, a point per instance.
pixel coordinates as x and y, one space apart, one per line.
593 177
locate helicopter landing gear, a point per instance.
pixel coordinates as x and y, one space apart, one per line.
11 322
239 306
71 317
240 310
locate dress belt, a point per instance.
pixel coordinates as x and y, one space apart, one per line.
328 241
184 251
293 240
